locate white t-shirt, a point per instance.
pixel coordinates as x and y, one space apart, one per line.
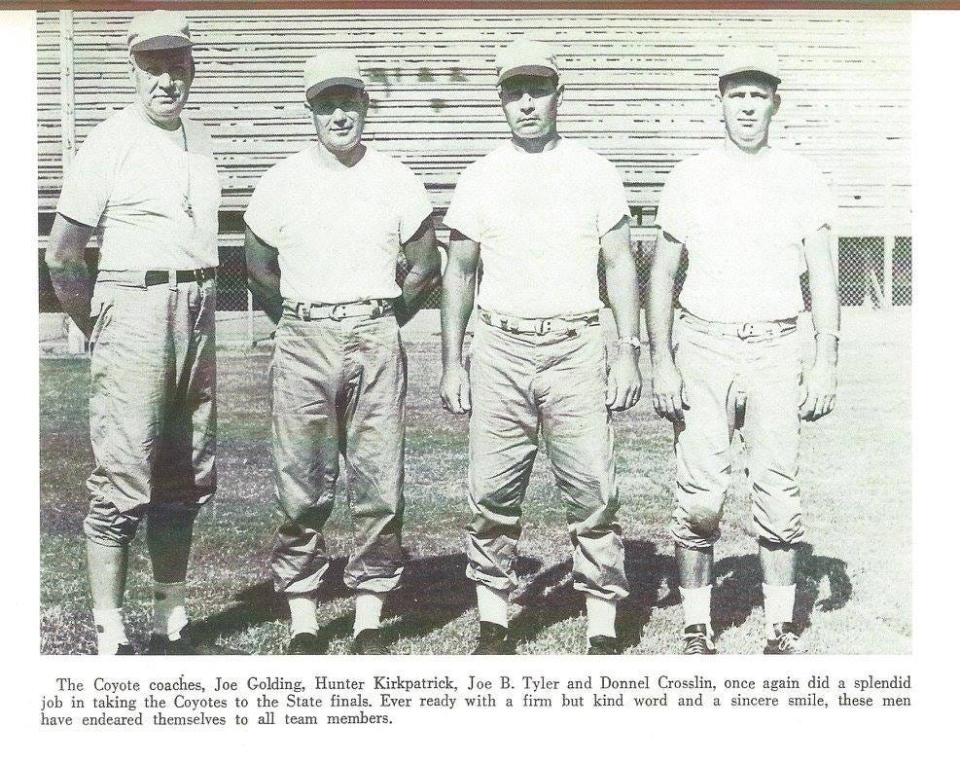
338 232
130 179
538 219
743 220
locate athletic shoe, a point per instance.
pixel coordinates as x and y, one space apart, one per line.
368 641
696 640
787 641
493 640
604 645
305 643
124 649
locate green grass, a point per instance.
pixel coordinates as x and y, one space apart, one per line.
854 592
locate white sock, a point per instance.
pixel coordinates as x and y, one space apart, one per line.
492 604
778 603
110 630
169 610
601 616
369 606
303 613
696 607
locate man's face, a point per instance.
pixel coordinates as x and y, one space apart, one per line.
749 102
338 117
530 105
162 79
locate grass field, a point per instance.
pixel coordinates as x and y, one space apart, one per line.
855 589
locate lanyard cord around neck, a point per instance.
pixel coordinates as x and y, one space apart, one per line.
187 205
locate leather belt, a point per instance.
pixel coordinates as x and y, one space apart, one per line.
750 330
313 311
538 326
157 277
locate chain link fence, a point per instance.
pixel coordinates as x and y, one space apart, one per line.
874 271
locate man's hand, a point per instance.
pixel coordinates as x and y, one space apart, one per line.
623 382
455 389
669 395
820 391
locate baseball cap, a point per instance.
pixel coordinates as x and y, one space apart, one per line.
750 59
526 56
158 30
329 69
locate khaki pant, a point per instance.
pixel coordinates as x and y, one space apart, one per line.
153 418
522 385
338 390
751 384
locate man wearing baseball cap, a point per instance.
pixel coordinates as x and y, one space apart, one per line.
146 182
325 228
751 217
537 210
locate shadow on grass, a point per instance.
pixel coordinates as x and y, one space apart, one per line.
550 598
435 592
738 589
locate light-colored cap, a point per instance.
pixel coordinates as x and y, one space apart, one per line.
158 30
750 59
526 56
329 69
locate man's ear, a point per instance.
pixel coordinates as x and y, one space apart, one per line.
776 102
559 94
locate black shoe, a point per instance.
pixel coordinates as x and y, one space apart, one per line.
787 641
124 650
165 646
368 641
305 643
696 640
185 645
604 645
493 640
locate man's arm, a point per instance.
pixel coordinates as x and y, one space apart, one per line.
624 383
668 392
459 284
72 281
821 379
263 274
424 274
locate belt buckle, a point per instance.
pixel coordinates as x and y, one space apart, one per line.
379 309
543 326
303 311
746 330
338 312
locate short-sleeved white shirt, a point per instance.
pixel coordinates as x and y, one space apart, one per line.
538 219
743 220
338 232
130 178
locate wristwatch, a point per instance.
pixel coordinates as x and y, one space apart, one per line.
632 341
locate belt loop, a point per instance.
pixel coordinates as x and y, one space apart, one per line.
172 280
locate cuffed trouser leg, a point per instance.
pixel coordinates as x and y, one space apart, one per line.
504 429
579 440
771 432
152 404
702 441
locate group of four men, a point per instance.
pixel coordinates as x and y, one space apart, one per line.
324 229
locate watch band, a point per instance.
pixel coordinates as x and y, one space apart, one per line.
631 341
